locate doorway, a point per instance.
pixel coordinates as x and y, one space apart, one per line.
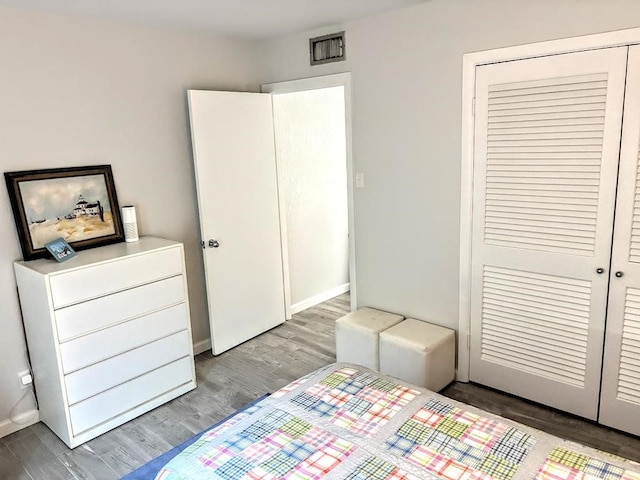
313 138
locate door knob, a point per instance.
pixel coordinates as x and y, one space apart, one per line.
619 274
213 244
600 271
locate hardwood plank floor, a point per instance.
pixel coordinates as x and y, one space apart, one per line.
231 380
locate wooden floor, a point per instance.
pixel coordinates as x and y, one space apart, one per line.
231 380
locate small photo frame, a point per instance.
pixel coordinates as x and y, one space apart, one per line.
60 249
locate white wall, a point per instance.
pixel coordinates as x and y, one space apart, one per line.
407 79
312 163
77 91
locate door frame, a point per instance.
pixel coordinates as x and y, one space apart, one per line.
469 63
315 83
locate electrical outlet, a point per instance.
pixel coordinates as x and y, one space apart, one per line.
25 379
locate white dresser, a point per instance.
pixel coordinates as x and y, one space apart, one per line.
109 334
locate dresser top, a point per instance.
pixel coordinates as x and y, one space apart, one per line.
96 255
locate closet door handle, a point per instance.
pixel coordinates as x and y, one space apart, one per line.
600 271
619 274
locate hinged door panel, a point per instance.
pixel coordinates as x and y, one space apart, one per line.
235 166
620 403
545 167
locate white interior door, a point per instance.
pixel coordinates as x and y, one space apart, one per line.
234 156
545 167
620 403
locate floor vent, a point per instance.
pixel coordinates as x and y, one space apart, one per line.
327 48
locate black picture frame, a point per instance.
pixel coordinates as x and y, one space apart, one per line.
77 204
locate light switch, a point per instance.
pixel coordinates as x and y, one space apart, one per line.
359 180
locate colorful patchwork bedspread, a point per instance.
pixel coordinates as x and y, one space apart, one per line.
347 422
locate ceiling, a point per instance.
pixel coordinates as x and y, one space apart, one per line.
255 19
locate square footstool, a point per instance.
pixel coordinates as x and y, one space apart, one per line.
420 353
357 336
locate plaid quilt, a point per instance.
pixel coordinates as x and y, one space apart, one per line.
457 444
347 422
567 464
358 401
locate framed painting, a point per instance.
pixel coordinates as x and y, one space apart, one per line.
77 204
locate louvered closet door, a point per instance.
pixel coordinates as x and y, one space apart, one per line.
620 402
545 166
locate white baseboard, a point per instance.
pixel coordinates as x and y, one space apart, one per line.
201 346
321 297
24 420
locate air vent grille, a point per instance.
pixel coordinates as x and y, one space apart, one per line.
328 48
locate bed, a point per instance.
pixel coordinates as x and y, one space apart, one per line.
347 422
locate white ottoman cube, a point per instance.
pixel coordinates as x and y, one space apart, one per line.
420 353
357 335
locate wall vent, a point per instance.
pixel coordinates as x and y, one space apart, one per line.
327 48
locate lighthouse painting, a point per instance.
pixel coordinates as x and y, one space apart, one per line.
82 208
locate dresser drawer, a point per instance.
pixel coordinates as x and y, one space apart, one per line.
110 404
82 284
95 347
104 311
102 376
